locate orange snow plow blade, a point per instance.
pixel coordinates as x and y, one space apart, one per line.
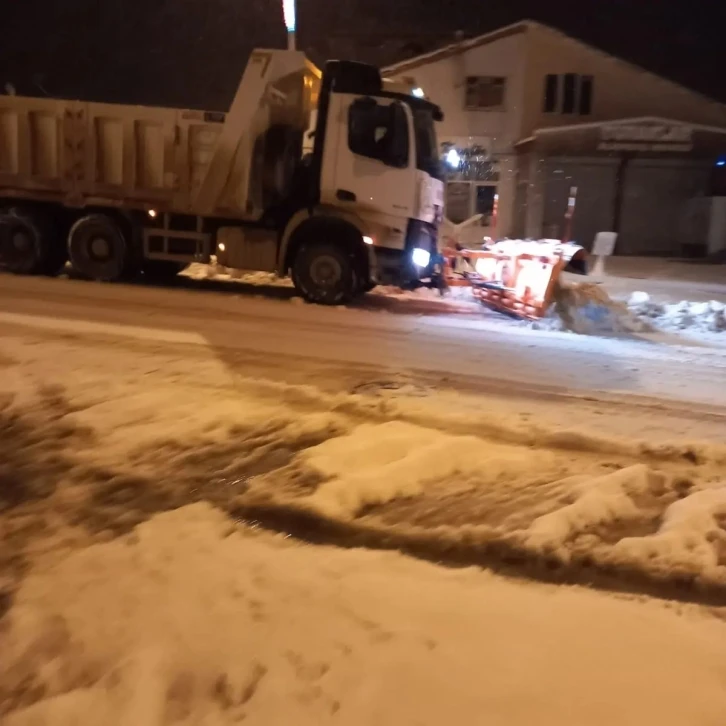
514 276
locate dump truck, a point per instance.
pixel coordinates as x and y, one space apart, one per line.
331 177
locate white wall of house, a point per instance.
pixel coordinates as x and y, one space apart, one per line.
524 55
443 79
620 90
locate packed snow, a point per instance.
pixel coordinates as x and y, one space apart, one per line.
585 308
193 620
377 463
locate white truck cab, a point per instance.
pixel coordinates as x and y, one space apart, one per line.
379 170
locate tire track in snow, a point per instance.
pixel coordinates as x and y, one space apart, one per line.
160 475
503 556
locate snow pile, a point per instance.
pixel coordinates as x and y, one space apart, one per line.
586 308
600 501
691 537
213 271
377 463
191 621
698 316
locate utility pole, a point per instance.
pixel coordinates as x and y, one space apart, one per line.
288 7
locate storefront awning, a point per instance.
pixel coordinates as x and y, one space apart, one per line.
644 136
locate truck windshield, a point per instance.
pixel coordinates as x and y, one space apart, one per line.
427 146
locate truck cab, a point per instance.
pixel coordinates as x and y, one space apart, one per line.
379 163
369 192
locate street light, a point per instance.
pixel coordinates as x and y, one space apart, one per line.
288 8
453 158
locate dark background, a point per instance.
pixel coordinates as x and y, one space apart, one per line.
190 53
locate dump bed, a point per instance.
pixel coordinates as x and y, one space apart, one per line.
186 161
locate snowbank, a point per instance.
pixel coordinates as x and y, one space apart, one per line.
198 271
707 317
600 501
192 621
691 537
587 309
377 463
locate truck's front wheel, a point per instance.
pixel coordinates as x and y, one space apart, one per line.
98 248
323 274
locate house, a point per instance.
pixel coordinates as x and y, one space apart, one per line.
534 116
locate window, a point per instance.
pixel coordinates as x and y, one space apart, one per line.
485 201
379 132
427 147
458 201
552 83
485 93
569 93
465 199
472 176
585 95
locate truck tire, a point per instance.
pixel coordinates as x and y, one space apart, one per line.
366 286
98 248
323 274
25 244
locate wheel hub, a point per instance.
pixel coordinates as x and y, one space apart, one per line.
326 271
21 241
99 248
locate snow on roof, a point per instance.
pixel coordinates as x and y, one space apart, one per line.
621 122
459 47
521 27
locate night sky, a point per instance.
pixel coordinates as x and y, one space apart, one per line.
192 52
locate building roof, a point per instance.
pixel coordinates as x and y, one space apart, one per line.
636 120
457 48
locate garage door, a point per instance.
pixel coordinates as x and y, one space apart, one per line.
595 182
657 198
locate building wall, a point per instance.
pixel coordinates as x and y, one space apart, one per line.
530 192
444 81
620 89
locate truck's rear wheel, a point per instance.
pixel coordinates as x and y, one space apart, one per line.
323 274
98 248
25 244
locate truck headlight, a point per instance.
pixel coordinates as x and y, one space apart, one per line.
421 257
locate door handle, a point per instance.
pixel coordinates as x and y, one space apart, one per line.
345 196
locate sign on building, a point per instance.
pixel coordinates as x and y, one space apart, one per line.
658 137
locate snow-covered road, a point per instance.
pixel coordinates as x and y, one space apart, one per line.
475 345
146 433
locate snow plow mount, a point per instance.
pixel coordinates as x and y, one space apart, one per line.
518 277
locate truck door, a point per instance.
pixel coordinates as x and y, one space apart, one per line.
369 159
